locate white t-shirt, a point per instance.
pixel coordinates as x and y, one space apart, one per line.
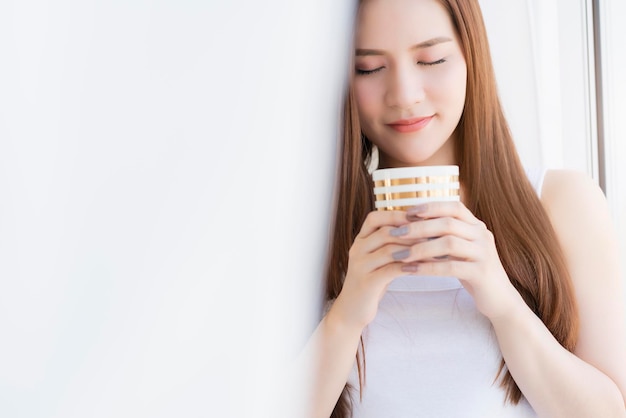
430 353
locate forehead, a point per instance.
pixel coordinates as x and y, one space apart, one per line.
390 24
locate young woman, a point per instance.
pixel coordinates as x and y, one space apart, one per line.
525 315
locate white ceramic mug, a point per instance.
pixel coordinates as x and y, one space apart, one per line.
401 188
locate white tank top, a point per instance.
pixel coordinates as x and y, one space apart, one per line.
430 353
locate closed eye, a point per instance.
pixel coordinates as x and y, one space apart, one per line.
441 61
366 72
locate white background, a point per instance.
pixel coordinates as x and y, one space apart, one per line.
165 188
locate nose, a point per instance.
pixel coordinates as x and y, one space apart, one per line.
405 87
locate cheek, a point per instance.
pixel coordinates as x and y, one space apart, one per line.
461 83
367 98
450 85
368 107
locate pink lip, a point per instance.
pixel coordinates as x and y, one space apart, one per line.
410 125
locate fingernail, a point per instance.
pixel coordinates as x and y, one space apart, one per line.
401 255
398 232
409 268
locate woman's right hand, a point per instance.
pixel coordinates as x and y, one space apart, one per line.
372 265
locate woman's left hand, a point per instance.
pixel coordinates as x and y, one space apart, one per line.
453 242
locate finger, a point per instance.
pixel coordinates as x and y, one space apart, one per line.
442 247
463 270
383 236
378 219
436 227
391 271
442 209
389 254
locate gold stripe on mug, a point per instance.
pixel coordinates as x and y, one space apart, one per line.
390 208
422 193
416 180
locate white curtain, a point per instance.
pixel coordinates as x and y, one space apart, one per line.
542 62
612 15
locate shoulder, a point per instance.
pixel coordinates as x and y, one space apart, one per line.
580 216
584 227
560 183
571 198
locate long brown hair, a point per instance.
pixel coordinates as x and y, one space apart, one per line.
496 190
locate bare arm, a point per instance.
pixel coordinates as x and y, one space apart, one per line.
592 381
331 350
330 354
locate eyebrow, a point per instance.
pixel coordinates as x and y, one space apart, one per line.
421 45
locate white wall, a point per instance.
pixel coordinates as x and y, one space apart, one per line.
508 26
164 194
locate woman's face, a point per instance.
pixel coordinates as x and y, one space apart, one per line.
409 80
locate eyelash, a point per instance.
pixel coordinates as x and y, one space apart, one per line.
427 64
368 72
